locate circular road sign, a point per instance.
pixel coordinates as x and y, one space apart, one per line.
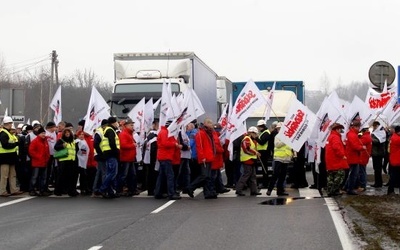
381 71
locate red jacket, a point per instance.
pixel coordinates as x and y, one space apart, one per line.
39 152
90 142
218 161
366 140
335 153
166 145
394 155
354 147
127 151
205 146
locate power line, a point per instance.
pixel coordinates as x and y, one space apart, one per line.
48 56
34 65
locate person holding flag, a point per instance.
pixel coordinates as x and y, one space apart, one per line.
262 147
354 147
248 157
283 155
336 160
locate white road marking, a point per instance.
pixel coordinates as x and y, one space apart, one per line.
95 248
163 207
308 192
15 201
341 227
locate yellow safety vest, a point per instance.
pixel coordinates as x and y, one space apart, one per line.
243 155
11 139
71 152
284 152
105 143
100 132
265 146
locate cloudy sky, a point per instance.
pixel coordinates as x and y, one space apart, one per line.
305 40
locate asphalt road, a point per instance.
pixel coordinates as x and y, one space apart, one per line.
142 222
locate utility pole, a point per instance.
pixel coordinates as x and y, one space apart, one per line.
54 74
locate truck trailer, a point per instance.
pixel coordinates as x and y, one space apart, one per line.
138 75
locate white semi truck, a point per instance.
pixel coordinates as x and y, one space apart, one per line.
138 75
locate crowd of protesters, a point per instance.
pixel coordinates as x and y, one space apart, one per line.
345 157
116 161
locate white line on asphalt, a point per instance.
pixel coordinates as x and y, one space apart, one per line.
341 227
162 207
308 192
95 248
15 201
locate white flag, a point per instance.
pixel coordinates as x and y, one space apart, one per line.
165 103
185 116
269 101
136 114
98 110
248 100
55 105
378 101
148 114
6 112
297 126
391 112
326 116
359 110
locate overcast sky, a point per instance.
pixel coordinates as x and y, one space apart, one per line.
258 39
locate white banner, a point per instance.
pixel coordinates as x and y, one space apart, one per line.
297 126
98 110
55 105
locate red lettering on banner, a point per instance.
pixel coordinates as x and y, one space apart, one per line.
242 102
229 126
379 102
224 122
292 126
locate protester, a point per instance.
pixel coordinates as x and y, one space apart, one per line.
248 158
150 158
283 155
166 149
262 148
378 152
110 147
354 147
366 140
100 159
183 173
205 156
8 159
65 181
51 137
127 156
40 156
218 162
82 155
336 160
394 160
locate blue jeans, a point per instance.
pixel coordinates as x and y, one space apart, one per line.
165 175
352 179
111 174
100 176
126 172
41 174
362 176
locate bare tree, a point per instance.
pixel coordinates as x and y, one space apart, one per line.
325 85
